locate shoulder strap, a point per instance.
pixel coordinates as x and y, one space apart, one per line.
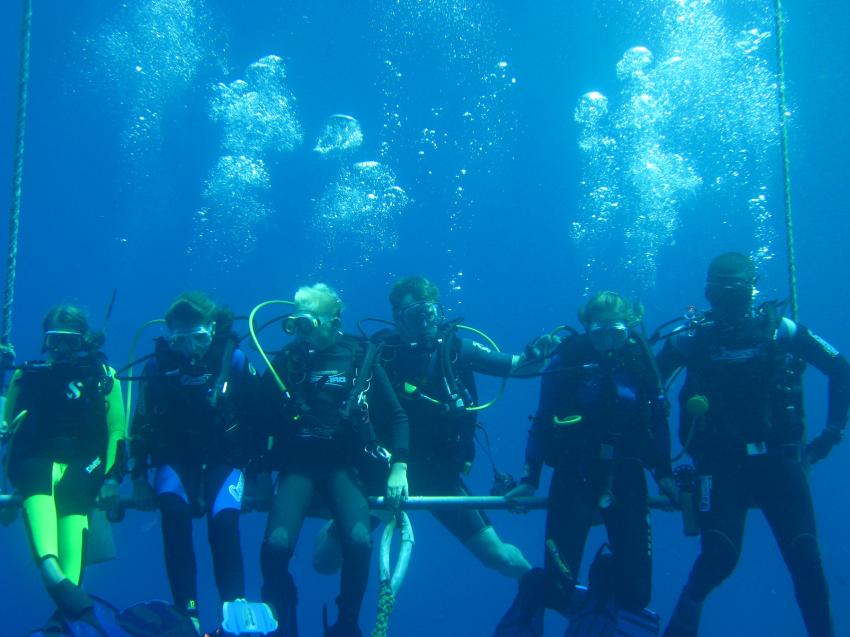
224 372
772 317
446 347
363 376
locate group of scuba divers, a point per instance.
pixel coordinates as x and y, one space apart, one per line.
337 418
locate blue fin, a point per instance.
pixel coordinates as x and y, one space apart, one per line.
55 627
610 620
156 619
50 631
600 615
149 619
242 617
107 626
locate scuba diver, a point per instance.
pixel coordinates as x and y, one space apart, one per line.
433 372
66 447
325 391
601 422
745 364
193 428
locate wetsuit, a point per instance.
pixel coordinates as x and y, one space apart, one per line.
600 422
320 431
193 427
70 440
434 385
749 449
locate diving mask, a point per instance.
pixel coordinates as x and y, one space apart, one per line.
301 323
730 296
192 342
422 316
606 336
62 341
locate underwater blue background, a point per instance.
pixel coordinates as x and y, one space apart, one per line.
101 213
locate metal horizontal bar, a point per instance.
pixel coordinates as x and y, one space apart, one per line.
413 503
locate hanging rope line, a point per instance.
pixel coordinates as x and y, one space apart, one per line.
386 601
784 118
17 172
392 579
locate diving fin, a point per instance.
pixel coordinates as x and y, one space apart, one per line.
55 627
99 621
156 619
525 616
601 616
610 620
100 544
149 619
242 617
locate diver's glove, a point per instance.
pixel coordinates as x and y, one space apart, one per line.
541 346
668 487
110 493
822 444
534 356
523 490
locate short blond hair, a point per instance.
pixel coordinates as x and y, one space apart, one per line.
319 299
610 306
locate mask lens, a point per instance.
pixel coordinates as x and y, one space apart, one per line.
191 341
303 324
55 340
730 297
606 337
422 315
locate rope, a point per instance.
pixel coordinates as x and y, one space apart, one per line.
391 580
386 599
17 173
786 164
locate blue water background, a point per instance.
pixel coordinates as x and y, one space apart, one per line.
94 220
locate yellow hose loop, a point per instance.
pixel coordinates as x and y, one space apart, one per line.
504 383
567 421
259 347
128 395
558 330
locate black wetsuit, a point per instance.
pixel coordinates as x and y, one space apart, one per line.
320 434
194 426
749 449
435 384
613 425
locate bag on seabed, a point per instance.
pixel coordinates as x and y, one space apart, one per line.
609 620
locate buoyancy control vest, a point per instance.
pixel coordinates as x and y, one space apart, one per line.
752 383
605 404
191 409
66 409
434 388
328 390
